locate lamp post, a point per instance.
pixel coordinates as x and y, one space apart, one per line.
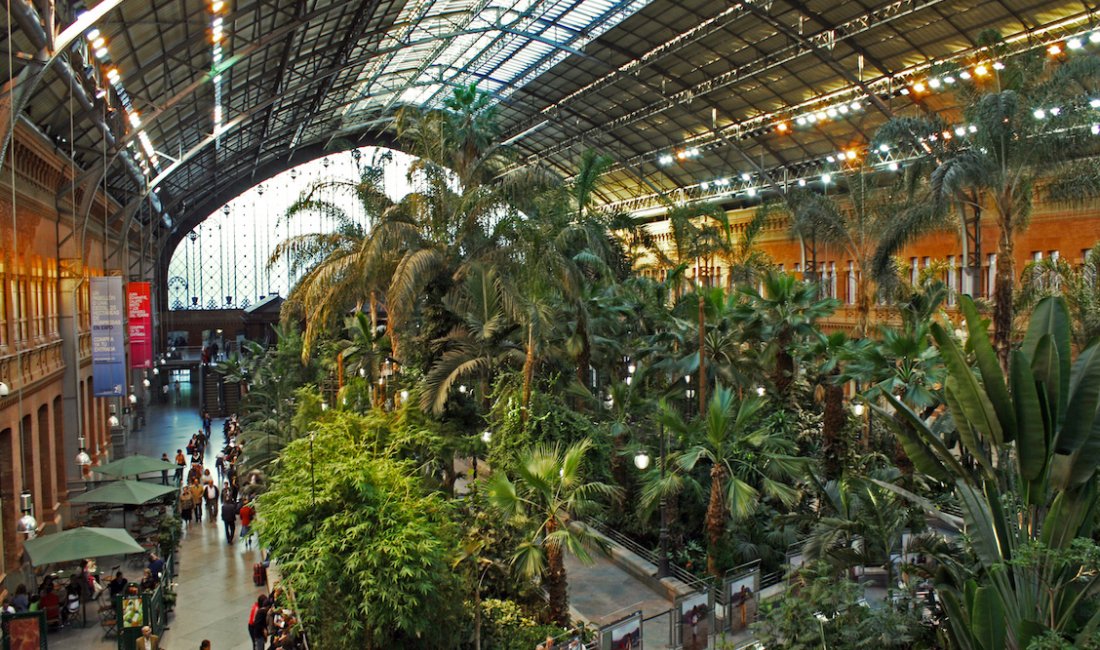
641 461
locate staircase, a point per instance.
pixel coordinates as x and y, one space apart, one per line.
211 394
232 402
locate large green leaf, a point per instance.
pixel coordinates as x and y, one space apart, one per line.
1031 447
1046 367
1051 318
967 435
993 378
931 442
987 619
1083 400
956 619
1087 458
970 396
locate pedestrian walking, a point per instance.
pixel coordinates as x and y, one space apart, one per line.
179 393
247 512
229 518
219 465
206 422
210 494
196 496
181 462
164 472
187 504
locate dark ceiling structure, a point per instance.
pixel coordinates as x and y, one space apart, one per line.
186 103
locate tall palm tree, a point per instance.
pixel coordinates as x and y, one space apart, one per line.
476 348
781 316
338 272
1014 145
738 248
855 227
744 462
548 492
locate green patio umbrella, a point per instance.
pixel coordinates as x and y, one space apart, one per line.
79 543
125 493
134 465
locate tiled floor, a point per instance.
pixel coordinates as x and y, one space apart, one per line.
215 579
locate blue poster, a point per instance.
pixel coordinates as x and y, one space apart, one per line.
108 340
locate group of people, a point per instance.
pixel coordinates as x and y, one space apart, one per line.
271 622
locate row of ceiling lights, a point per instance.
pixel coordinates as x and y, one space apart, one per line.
98 43
849 106
217 36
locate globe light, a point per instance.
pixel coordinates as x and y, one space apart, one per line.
760 391
858 409
156 371
324 406
462 388
641 460
404 395
82 458
146 383
486 436
133 398
113 420
362 372
631 368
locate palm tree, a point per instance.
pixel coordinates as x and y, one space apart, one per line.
738 249
476 348
549 491
855 228
338 274
743 463
1014 144
1080 286
781 316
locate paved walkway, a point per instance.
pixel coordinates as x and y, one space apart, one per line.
214 584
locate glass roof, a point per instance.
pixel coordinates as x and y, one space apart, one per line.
500 45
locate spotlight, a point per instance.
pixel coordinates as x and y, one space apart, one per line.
746 177
980 71
782 127
850 154
919 87
960 131
665 159
681 155
949 80
884 147
802 182
826 178
1054 49
801 121
971 128
964 75
92 34
1074 44
1094 37
751 191
1055 111
831 158
831 112
101 53
855 106
1094 103
893 166
935 83
997 65
1039 113
820 115
704 186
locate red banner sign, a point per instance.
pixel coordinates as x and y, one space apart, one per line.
140 317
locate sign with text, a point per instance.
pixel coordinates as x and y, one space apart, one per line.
139 315
108 342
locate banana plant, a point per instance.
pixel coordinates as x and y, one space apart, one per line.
1028 500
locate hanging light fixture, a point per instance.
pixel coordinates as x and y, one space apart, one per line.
641 460
27 524
83 460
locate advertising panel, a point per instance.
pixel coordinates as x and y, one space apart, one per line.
139 316
108 340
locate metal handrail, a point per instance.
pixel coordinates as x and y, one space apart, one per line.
648 554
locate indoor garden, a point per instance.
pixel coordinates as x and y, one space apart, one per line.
472 380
